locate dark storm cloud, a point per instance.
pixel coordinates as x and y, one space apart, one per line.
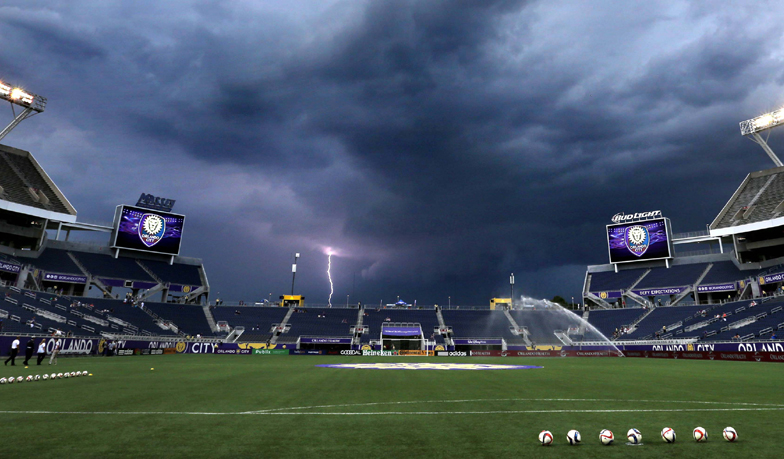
437 146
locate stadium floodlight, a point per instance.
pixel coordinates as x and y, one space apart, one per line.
32 104
751 128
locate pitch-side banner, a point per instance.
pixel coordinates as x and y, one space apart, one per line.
660 291
326 340
9 267
771 278
65 278
481 342
730 287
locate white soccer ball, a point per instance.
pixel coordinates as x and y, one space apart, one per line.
66 375
573 436
53 376
11 380
19 379
668 435
37 378
59 376
730 435
545 437
606 437
29 378
2 380
634 436
700 434
84 373
73 374
45 377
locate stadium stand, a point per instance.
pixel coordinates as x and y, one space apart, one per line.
662 317
176 274
107 266
25 182
189 319
480 324
610 280
724 271
55 260
673 276
756 200
322 322
257 321
607 320
427 318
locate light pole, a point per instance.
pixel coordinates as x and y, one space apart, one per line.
450 302
572 302
511 286
347 301
294 272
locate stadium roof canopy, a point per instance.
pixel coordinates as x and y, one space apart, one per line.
27 189
757 204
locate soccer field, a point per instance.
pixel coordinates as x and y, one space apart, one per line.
285 406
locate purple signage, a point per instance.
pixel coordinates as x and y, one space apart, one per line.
645 240
401 331
148 230
9 267
326 340
481 342
731 287
65 278
609 294
427 366
660 291
771 278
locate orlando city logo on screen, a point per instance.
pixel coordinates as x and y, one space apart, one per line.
637 239
151 229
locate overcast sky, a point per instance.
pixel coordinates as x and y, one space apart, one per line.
436 147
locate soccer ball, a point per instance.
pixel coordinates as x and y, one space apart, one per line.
634 436
545 437
66 375
11 380
606 437
668 435
19 379
700 434
73 374
84 373
53 376
730 435
45 377
37 378
2 380
573 436
29 378
59 376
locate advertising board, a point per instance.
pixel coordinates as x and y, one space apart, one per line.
644 240
147 230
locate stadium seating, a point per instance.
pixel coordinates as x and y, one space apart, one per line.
607 320
724 271
15 185
55 260
189 319
673 276
610 280
176 274
375 317
479 324
250 317
107 266
662 317
322 322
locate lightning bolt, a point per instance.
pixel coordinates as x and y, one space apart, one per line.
329 276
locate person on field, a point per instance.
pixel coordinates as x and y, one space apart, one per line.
29 350
14 351
41 351
57 344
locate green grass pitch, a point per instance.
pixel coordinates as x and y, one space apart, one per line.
285 406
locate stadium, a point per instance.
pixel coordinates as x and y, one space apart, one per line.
664 338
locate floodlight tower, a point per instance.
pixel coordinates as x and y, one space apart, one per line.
751 128
31 103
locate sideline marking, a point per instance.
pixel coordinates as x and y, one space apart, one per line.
735 406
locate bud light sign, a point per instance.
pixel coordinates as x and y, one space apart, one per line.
644 240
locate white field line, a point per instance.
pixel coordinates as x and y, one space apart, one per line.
733 406
385 413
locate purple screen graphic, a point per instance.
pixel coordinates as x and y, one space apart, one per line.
132 234
622 243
